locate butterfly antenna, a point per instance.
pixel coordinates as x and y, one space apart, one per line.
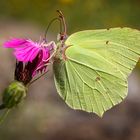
50 23
63 22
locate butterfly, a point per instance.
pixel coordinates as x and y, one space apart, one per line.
94 74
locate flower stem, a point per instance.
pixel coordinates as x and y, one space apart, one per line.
4 115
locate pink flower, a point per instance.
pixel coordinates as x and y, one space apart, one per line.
32 56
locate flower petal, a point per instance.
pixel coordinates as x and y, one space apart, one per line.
42 65
33 54
27 56
15 42
46 53
28 51
22 54
52 45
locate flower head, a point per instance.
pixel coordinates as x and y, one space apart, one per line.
32 57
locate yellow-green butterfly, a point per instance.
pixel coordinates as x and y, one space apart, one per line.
93 77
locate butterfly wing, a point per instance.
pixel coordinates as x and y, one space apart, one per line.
93 77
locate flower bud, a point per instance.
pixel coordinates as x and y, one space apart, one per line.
14 94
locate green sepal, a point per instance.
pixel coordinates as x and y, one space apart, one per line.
14 94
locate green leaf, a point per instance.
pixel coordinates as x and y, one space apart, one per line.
93 76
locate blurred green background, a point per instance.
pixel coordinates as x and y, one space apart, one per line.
43 115
79 14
